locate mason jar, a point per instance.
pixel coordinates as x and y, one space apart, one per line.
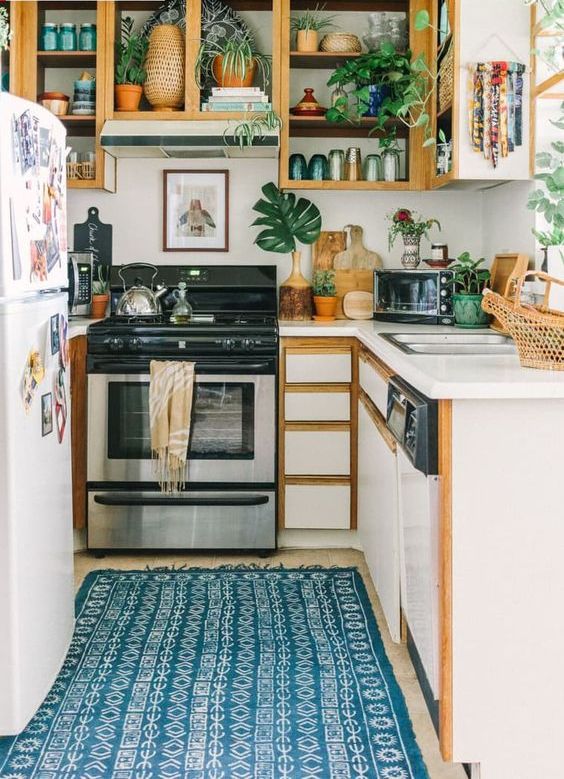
67 37
87 37
48 38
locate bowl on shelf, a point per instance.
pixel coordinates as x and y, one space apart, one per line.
56 102
438 263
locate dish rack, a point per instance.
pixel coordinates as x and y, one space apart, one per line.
538 331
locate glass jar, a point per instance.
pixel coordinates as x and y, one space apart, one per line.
48 40
390 164
337 165
67 37
439 251
182 310
339 93
318 170
372 167
297 167
87 37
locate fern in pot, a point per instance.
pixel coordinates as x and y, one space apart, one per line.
286 221
470 280
324 295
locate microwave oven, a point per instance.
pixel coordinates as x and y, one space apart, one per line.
80 283
414 296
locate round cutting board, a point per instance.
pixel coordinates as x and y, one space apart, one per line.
358 305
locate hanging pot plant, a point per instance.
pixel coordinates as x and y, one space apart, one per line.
130 72
286 222
470 281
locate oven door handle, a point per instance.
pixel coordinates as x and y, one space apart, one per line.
142 367
180 500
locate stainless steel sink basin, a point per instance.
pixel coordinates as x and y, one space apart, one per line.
451 343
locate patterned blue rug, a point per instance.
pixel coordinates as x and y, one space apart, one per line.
221 674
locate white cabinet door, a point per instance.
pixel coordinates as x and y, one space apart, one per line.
378 516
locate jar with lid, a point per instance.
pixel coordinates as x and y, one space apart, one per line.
48 40
67 37
182 310
87 37
439 251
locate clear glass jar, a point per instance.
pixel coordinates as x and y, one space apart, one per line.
372 167
390 164
337 165
337 94
48 40
87 37
67 37
182 310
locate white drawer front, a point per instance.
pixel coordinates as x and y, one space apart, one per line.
318 368
375 386
318 506
317 406
317 453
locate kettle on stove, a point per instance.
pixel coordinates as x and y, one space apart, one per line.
139 300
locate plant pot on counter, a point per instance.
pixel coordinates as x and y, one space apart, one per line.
468 311
127 97
99 306
325 307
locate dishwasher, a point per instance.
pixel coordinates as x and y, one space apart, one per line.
412 418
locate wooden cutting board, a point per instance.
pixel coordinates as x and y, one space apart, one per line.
351 281
329 243
358 305
94 236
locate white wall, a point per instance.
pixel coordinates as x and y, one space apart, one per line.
136 214
506 222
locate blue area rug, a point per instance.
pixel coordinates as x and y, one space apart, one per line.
221 674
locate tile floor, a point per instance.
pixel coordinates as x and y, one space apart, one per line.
84 563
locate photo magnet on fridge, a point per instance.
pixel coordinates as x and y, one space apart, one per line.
55 334
46 414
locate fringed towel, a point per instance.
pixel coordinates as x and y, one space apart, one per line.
170 406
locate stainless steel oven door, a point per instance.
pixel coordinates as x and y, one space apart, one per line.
233 431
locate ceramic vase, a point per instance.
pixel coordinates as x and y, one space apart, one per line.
468 311
164 85
296 299
410 258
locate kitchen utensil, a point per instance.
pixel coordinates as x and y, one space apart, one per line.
308 105
318 170
347 281
337 165
329 243
297 167
139 300
94 236
357 256
358 305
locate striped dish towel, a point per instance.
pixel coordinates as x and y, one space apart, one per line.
170 406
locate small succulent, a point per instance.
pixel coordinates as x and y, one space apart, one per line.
324 284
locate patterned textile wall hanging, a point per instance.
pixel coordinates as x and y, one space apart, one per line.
495 108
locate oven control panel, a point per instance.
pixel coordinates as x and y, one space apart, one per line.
184 344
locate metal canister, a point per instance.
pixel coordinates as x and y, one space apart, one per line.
353 164
337 165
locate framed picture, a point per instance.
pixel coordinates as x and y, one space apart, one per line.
46 414
55 334
196 211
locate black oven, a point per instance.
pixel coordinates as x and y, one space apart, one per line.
414 296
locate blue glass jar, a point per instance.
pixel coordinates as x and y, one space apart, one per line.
48 40
297 167
318 168
67 37
87 37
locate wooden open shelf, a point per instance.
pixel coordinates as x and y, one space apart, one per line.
67 59
319 127
320 59
349 185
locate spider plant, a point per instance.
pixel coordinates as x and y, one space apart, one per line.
245 132
312 20
238 56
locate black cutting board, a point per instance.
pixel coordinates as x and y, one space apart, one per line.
94 236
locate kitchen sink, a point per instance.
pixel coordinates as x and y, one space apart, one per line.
451 343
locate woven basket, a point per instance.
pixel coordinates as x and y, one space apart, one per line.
446 79
538 331
340 42
164 85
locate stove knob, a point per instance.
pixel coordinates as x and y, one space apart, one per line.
134 344
249 344
115 344
228 344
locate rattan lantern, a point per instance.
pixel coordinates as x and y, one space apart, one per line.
164 85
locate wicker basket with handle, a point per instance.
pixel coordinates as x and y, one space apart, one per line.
538 331
446 79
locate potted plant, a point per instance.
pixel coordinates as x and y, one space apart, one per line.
100 295
287 221
470 281
324 294
231 62
256 126
130 71
307 27
412 228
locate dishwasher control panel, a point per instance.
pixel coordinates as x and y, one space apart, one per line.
413 421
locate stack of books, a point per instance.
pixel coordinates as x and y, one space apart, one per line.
237 99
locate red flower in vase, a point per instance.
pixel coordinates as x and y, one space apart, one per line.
402 215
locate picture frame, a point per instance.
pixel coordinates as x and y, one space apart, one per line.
55 334
195 210
46 414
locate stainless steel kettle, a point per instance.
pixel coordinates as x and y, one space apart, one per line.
139 300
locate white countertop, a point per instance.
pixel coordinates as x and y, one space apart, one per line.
442 376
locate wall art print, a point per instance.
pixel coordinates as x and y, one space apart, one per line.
196 211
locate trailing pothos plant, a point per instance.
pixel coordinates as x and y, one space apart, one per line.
285 220
131 53
548 199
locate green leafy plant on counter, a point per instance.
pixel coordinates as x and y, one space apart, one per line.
248 130
405 222
100 283
5 33
285 220
323 283
312 20
131 53
548 199
238 56
469 278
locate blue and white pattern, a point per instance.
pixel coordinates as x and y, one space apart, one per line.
221 674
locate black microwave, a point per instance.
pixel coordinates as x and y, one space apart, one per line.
414 296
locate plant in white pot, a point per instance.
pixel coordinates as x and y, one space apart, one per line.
470 280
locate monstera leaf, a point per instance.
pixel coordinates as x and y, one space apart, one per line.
286 221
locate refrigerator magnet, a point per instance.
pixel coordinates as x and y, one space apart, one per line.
46 414
60 404
55 334
34 373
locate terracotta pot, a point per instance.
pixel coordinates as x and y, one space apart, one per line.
325 307
128 97
232 78
164 85
99 306
295 294
307 40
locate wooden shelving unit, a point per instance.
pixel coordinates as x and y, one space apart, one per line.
320 59
446 118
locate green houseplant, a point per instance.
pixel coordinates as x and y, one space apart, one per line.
231 62
307 27
100 295
130 72
324 294
411 227
287 221
470 280
256 126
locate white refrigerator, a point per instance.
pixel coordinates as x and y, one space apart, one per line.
36 545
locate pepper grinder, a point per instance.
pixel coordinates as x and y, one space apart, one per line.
353 164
